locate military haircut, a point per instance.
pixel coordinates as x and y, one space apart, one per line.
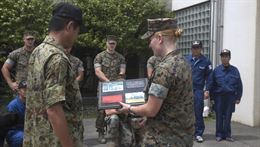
58 23
28 33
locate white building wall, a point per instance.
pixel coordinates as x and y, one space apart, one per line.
257 73
180 4
239 35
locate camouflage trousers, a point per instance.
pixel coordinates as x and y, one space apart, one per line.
153 138
119 131
100 121
45 136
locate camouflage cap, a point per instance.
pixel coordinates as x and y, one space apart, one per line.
159 24
225 51
111 37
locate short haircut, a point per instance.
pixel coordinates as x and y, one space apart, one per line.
28 33
58 23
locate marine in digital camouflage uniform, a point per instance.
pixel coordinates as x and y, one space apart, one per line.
54 110
77 65
18 59
169 108
172 83
109 66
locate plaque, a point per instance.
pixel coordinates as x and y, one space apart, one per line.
127 91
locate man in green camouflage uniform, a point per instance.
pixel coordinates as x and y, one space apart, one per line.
169 107
77 65
18 59
152 62
54 104
109 66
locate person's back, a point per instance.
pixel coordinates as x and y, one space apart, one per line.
45 53
54 104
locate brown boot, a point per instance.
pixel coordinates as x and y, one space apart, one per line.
101 138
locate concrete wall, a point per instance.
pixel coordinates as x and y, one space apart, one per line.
239 35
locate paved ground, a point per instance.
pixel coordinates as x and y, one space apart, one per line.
245 136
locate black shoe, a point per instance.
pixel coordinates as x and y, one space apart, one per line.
230 139
218 139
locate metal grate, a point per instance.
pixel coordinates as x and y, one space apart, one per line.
195 22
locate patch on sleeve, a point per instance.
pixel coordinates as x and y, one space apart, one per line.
10 62
158 91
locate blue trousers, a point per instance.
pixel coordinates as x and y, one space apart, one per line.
224 107
198 106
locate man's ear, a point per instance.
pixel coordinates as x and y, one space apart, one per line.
69 26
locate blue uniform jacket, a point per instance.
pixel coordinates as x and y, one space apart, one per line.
17 106
201 69
225 81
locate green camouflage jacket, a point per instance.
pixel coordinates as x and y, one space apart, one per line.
110 64
20 57
76 63
51 80
174 123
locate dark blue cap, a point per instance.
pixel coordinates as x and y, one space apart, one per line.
67 10
225 51
196 44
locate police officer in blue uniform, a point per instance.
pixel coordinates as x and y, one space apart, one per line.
226 88
201 69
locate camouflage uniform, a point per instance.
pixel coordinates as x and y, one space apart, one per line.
76 64
50 81
110 65
173 126
153 61
20 57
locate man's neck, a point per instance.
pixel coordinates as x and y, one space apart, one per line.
196 56
22 99
110 52
56 37
29 48
226 65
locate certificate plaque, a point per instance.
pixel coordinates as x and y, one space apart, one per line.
127 91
